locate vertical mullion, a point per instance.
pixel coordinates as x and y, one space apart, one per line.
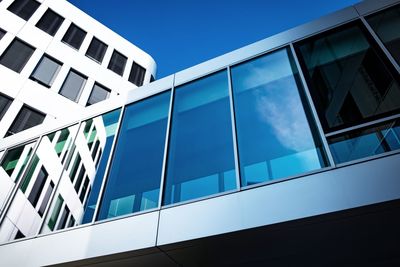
166 144
16 185
234 130
108 165
312 107
380 44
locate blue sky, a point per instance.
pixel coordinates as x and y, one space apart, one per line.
181 33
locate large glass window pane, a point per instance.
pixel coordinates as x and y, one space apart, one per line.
26 118
385 25
46 71
96 50
38 186
5 102
74 36
117 63
50 22
348 77
276 135
137 74
24 8
73 86
200 156
141 141
99 93
16 55
365 142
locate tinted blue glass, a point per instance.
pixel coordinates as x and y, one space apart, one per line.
365 142
200 157
134 181
275 136
110 123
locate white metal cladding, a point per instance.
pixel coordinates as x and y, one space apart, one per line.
363 182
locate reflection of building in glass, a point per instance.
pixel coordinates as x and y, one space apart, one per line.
285 152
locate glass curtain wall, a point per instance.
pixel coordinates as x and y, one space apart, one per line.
75 199
200 158
133 184
351 82
277 136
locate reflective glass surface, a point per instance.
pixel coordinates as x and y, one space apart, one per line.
5 103
200 156
46 71
276 137
349 78
365 142
134 180
16 55
117 63
96 50
27 117
73 85
74 36
385 25
50 22
24 8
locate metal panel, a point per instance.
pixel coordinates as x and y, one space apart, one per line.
133 233
338 189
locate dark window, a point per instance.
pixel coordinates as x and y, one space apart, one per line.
350 80
46 71
26 118
152 79
5 103
46 198
96 50
24 8
75 167
50 22
55 212
71 222
99 93
16 55
74 36
80 178
84 188
117 63
19 235
63 219
2 33
137 74
95 149
38 186
73 86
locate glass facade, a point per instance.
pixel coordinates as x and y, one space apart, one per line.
200 158
251 123
349 78
276 137
383 23
141 143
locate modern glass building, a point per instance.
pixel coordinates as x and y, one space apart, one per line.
284 152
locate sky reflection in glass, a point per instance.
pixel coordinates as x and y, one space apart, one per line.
200 158
276 138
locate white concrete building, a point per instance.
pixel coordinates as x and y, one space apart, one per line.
55 60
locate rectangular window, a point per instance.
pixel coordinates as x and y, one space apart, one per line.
46 71
38 186
29 173
201 121
79 179
46 198
16 55
63 218
74 36
50 22
24 8
365 142
96 50
2 33
56 211
117 63
73 86
350 79
84 188
75 167
5 103
99 93
137 74
142 139
276 134
26 118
